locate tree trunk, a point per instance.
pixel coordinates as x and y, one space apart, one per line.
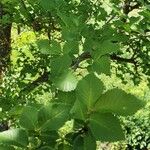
5 47
5 40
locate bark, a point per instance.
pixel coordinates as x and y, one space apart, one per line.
5 41
5 48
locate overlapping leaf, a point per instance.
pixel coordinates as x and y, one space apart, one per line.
102 65
47 47
66 82
118 102
85 142
79 110
106 127
29 118
53 116
60 64
89 90
16 137
4 147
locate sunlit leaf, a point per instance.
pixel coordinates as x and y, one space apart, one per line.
89 90
118 102
66 82
16 137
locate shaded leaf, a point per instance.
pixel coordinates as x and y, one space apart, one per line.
44 46
59 64
49 137
71 47
46 148
4 147
106 127
105 47
85 142
29 118
79 110
47 47
16 111
89 141
53 116
78 143
66 97
49 6
102 65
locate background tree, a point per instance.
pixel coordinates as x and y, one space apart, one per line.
5 38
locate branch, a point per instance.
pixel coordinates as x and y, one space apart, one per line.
120 59
44 76
75 64
26 10
79 59
3 126
31 86
87 55
127 7
35 24
135 6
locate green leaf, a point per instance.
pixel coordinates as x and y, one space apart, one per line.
105 127
53 116
89 90
16 137
49 138
66 19
79 110
85 142
34 141
119 37
70 20
47 47
66 82
49 6
71 47
46 148
59 64
29 118
70 34
78 143
102 65
66 97
44 46
89 142
118 102
89 43
6 147
55 47
16 111
105 47
64 146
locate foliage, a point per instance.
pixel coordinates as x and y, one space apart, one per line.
138 130
73 44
